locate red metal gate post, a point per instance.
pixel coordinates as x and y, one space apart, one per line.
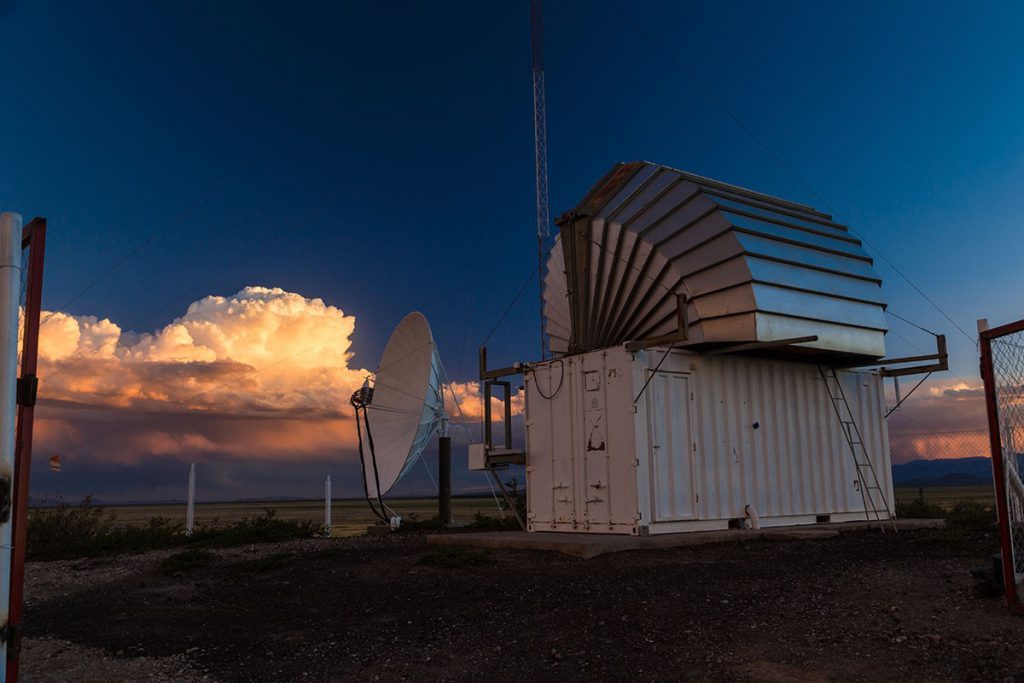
995 437
34 239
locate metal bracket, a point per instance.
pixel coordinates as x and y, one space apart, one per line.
28 387
681 334
941 356
757 346
506 455
11 634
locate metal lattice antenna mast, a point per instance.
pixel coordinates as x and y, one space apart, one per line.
540 144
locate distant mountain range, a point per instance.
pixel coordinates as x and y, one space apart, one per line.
948 472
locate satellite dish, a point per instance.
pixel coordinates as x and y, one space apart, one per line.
402 411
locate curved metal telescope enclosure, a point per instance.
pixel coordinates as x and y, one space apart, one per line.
403 409
653 253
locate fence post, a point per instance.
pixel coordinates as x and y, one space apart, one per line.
10 298
998 474
190 509
327 507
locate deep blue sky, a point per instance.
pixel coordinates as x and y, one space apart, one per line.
379 155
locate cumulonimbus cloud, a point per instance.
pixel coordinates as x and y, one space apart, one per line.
467 402
263 373
269 369
262 349
942 419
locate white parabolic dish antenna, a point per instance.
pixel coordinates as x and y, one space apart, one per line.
407 407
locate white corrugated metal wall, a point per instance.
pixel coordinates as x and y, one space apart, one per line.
580 462
591 465
795 461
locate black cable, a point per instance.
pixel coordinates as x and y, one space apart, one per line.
373 459
95 282
360 399
558 388
900 317
522 289
655 372
893 409
382 513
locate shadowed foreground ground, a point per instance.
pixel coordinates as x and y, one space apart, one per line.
860 606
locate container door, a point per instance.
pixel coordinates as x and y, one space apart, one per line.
671 455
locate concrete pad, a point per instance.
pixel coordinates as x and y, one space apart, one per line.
587 546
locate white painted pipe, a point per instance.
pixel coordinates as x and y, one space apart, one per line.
190 509
753 521
10 301
327 507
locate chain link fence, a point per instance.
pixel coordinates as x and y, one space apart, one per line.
908 446
1002 369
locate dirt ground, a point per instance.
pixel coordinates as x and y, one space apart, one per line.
861 606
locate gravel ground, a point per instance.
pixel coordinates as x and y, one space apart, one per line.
861 606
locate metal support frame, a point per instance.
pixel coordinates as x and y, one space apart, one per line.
34 240
999 474
762 345
941 358
488 425
499 458
508 498
680 336
540 146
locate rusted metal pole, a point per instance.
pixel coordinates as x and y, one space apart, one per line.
998 473
34 238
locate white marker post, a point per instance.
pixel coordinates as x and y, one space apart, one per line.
10 299
327 507
190 510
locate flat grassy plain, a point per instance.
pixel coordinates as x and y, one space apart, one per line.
946 496
349 517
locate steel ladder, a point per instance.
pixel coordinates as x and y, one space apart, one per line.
868 483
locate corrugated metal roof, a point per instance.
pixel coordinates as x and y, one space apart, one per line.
753 267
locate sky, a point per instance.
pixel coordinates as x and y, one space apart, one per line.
232 185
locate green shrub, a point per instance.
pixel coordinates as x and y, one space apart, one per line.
65 530
919 509
72 531
517 495
412 524
266 529
972 516
482 522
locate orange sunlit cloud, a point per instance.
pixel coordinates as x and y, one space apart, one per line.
471 405
261 373
942 419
